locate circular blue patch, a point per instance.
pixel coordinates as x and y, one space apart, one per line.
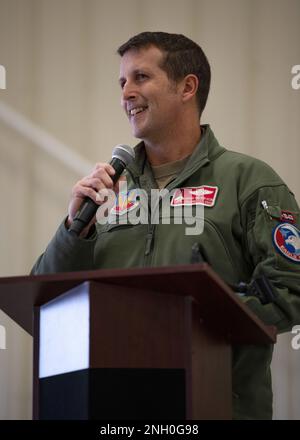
286 238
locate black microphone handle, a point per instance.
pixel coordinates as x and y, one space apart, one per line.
119 167
89 208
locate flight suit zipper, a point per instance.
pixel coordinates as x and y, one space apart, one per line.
149 241
151 227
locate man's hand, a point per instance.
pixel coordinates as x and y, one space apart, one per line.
89 186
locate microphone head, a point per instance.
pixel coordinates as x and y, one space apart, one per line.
124 153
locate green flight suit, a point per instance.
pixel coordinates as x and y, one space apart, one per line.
237 241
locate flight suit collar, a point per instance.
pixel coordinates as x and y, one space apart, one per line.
205 151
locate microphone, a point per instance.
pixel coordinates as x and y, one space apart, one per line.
122 156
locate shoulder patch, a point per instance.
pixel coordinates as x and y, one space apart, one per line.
286 239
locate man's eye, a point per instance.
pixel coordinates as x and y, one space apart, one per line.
140 76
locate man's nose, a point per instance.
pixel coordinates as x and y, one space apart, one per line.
128 92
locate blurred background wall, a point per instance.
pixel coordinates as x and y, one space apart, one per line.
62 89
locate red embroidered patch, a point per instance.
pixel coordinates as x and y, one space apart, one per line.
287 216
199 195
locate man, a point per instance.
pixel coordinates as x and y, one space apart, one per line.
165 80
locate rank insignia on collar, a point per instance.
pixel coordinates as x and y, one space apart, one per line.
286 238
198 195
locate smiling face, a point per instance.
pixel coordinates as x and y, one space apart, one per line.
150 99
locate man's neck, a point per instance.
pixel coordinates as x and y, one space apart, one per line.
174 147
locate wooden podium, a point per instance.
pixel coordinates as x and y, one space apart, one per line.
145 343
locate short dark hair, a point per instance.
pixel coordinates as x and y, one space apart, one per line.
182 57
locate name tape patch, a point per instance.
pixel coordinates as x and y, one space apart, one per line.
199 195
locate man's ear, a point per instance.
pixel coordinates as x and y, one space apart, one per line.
190 85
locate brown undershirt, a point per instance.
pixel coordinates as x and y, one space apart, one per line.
163 174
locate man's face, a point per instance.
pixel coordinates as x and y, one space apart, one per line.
150 99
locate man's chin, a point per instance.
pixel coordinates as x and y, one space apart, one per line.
142 131
139 134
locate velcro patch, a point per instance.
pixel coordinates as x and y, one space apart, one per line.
199 195
125 201
287 216
286 238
